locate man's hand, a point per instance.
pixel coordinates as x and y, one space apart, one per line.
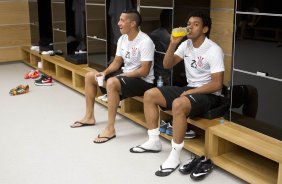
188 92
100 74
175 40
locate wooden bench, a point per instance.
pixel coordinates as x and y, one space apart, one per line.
250 155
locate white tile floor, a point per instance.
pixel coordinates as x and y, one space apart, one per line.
37 145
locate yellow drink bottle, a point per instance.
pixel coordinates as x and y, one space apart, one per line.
180 31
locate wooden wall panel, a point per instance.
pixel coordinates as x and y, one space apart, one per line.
226 4
14 35
14 28
222 14
13 12
10 54
227 73
222 29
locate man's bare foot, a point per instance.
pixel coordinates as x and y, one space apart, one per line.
82 123
105 136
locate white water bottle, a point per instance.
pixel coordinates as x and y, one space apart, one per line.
160 82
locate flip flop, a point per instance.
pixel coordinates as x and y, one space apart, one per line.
107 139
165 171
78 124
143 150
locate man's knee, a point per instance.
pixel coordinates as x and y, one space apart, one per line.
90 76
181 105
112 82
151 94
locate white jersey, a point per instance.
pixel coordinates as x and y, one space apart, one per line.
136 51
201 62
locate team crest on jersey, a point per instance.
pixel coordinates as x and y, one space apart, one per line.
134 51
200 61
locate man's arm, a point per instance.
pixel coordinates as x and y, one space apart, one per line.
214 85
140 72
114 66
170 59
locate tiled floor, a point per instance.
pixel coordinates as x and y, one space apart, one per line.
38 146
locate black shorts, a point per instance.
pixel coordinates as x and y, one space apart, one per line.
130 86
200 103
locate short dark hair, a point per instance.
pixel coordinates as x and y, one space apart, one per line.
135 15
205 18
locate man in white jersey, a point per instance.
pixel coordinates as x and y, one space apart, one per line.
135 50
204 67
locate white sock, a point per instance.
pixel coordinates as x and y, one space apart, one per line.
173 159
153 143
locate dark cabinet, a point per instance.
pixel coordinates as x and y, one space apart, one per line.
96 19
41 24
34 22
59 26
257 66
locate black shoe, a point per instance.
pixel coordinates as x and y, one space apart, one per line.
44 80
58 52
188 168
202 170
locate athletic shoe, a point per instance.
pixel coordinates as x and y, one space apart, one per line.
44 80
34 48
49 53
40 79
202 170
20 89
188 168
163 126
58 52
104 98
27 76
35 74
32 74
190 134
169 130
80 52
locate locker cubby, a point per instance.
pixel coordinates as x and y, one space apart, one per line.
64 75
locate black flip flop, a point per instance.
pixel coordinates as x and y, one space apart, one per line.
107 139
144 150
165 171
80 124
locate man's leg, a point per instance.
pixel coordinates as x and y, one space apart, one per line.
90 93
153 98
113 90
180 109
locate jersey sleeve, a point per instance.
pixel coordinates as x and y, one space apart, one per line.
147 50
180 51
217 61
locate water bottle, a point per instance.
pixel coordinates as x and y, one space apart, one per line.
160 82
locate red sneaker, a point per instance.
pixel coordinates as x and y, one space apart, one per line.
35 74
32 74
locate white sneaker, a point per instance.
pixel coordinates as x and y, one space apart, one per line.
104 98
80 52
190 134
49 52
34 48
